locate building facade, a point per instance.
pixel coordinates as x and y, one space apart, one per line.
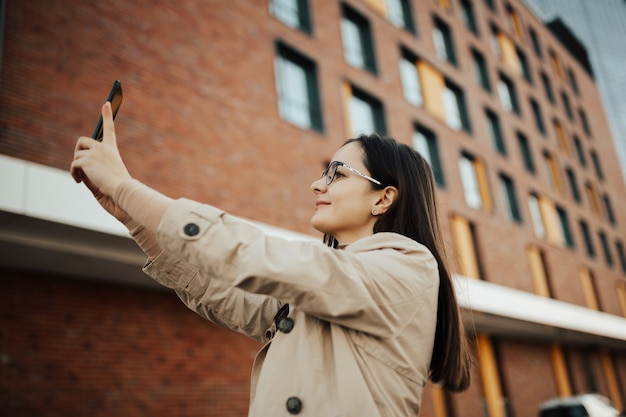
600 26
240 104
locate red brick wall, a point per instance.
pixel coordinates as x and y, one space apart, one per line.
77 348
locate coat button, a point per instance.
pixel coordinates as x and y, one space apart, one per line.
294 405
285 325
191 229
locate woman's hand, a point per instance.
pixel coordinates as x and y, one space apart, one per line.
100 166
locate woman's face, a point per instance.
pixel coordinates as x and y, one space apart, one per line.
343 209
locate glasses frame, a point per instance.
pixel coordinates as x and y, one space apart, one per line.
336 164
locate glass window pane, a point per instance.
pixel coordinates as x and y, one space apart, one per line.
410 82
352 43
470 183
535 216
453 113
293 94
287 11
505 96
361 116
440 44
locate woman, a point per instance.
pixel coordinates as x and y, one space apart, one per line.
355 327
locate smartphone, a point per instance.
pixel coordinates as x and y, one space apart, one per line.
115 98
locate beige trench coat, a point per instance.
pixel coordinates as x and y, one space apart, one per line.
357 335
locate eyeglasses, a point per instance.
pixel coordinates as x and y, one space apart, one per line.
331 171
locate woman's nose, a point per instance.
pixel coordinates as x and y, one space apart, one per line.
319 186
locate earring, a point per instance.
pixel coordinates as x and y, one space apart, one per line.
374 212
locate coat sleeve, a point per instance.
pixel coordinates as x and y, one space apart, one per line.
247 313
375 291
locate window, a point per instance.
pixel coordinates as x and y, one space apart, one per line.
590 292
593 198
535 41
491 4
442 38
410 78
547 87
469 19
557 66
524 65
584 230
580 151
538 116
493 127
365 112
608 257
550 221
567 106
526 153
553 171
568 238
504 48
596 165
294 13
456 111
608 209
474 180
509 198
425 142
357 40
480 70
561 136
298 92
536 216
573 184
464 233
584 122
572 81
442 98
399 14
515 22
538 271
508 96
619 248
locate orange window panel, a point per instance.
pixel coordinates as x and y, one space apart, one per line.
439 401
465 247
444 4
490 378
538 271
561 374
589 288
509 54
433 85
554 172
562 137
551 222
346 96
621 295
557 66
483 184
594 199
379 5
516 24
611 380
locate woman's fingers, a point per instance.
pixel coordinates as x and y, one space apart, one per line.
107 124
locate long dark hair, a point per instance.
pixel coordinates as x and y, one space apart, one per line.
414 214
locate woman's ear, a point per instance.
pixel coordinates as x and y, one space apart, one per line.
387 198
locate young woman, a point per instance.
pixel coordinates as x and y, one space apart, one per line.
355 327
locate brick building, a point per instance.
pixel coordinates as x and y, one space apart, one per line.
240 104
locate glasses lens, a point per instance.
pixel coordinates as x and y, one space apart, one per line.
331 171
